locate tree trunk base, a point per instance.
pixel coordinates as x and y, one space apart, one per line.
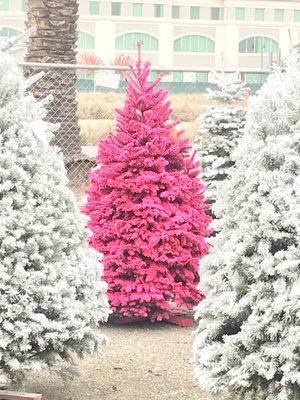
129 320
7 395
179 320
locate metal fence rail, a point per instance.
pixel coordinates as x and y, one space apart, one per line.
85 99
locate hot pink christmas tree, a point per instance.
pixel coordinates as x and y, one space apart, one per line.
146 208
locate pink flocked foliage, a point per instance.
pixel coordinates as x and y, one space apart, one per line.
146 208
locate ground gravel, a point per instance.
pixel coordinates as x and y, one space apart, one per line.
142 361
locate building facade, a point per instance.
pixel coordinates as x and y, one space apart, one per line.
245 35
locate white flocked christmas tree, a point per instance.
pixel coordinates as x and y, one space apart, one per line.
247 341
222 124
51 294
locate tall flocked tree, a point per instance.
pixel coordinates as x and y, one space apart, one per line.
222 124
51 296
146 208
247 342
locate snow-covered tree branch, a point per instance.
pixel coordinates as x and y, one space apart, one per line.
221 126
51 294
247 342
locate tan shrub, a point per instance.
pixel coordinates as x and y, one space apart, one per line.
98 105
92 130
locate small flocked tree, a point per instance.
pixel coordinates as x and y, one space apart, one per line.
146 208
247 342
51 296
222 124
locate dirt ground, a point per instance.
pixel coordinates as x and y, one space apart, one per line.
142 361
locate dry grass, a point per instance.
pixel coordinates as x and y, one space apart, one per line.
190 128
102 105
98 105
92 130
97 113
187 107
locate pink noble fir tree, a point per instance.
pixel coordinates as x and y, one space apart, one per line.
146 208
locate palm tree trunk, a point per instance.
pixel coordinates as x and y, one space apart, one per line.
54 41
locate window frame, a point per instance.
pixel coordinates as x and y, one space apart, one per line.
4 5
126 42
192 44
87 36
279 12
96 4
24 5
297 15
175 7
258 16
212 16
152 75
160 8
259 43
241 9
200 75
116 12
177 76
251 78
195 9
14 31
140 9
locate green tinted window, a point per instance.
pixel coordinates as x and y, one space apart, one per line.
158 10
94 7
202 76
297 15
278 15
115 8
152 75
240 13
258 44
24 5
215 13
4 5
137 9
195 44
129 41
7 32
259 14
85 41
177 76
175 11
195 12
256 77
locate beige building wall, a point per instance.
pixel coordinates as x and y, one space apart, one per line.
226 32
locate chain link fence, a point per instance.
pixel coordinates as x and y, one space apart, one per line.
85 98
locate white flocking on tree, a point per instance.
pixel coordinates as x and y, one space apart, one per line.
247 341
51 294
222 124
